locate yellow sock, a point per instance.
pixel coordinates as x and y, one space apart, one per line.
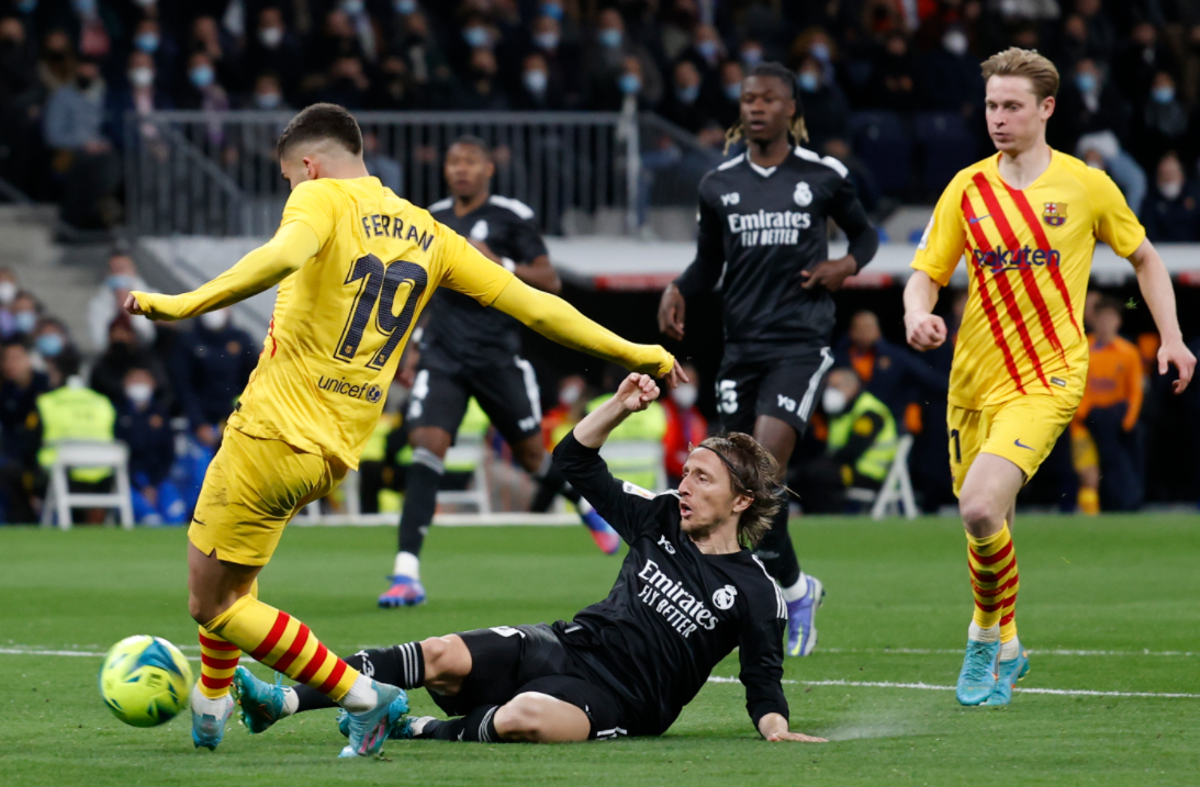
994 581
218 660
1089 501
280 641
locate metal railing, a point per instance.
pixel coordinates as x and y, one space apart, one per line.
215 173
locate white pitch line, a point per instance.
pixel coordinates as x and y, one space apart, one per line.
19 651
1032 652
931 687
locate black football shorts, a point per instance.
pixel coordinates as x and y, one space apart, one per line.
507 391
788 389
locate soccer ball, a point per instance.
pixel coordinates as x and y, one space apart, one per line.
145 681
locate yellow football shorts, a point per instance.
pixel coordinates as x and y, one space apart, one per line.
252 490
1022 430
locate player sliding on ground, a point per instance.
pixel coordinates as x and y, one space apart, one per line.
355 265
688 593
1028 220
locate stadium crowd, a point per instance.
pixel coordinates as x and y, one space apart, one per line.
166 389
890 86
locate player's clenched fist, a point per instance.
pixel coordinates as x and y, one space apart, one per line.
132 306
637 391
924 331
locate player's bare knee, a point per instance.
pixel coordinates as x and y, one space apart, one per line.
980 516
447 662
522 718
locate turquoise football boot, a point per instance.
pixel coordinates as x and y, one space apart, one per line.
369 729
977 680
1010 672
399 723
208 729
260 703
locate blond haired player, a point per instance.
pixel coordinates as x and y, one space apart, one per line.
355 265
1027 221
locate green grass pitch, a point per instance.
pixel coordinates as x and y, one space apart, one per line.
1110 603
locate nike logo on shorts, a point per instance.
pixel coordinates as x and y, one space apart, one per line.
1018 444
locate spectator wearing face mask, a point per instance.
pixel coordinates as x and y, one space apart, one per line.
826 112
1089 103
211 365
561 64
686 426
209 38
948 77
1171 212
686 105
55 351
105 304
203 91
82 152
141 94
1164 123
728 102
124 352
26 311
616 67
274 49
571 407
706 51
164 51
859 450
143 424
538 90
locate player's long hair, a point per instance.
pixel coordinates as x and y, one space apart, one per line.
754 472
796 128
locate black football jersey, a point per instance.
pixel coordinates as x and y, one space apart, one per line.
762 227
674 612
460 332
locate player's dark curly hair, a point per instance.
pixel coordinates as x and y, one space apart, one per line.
781 72
754 472
320 122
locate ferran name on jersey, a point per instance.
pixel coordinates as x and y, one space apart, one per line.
384 226
1055 214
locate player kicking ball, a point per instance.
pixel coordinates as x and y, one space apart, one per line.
1028 220
689 592
355 265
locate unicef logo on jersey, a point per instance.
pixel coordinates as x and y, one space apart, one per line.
802 195
371 393
723 598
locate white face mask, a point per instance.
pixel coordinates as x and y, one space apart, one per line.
141 76
955 42
270 37
215 321
139 393
833 400
569 396
1171 190
684 395
8 292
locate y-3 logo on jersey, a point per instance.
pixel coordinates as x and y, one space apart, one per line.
732 198
1002 259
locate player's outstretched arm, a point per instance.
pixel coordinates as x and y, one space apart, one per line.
293 245
556 319
924 329
635 394
774 727
1155 284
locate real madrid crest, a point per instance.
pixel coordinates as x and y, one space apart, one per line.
1055 214
724 597
802 195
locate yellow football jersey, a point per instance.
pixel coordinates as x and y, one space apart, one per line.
1029 255
341 322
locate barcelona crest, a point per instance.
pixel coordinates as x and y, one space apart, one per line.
1055 213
